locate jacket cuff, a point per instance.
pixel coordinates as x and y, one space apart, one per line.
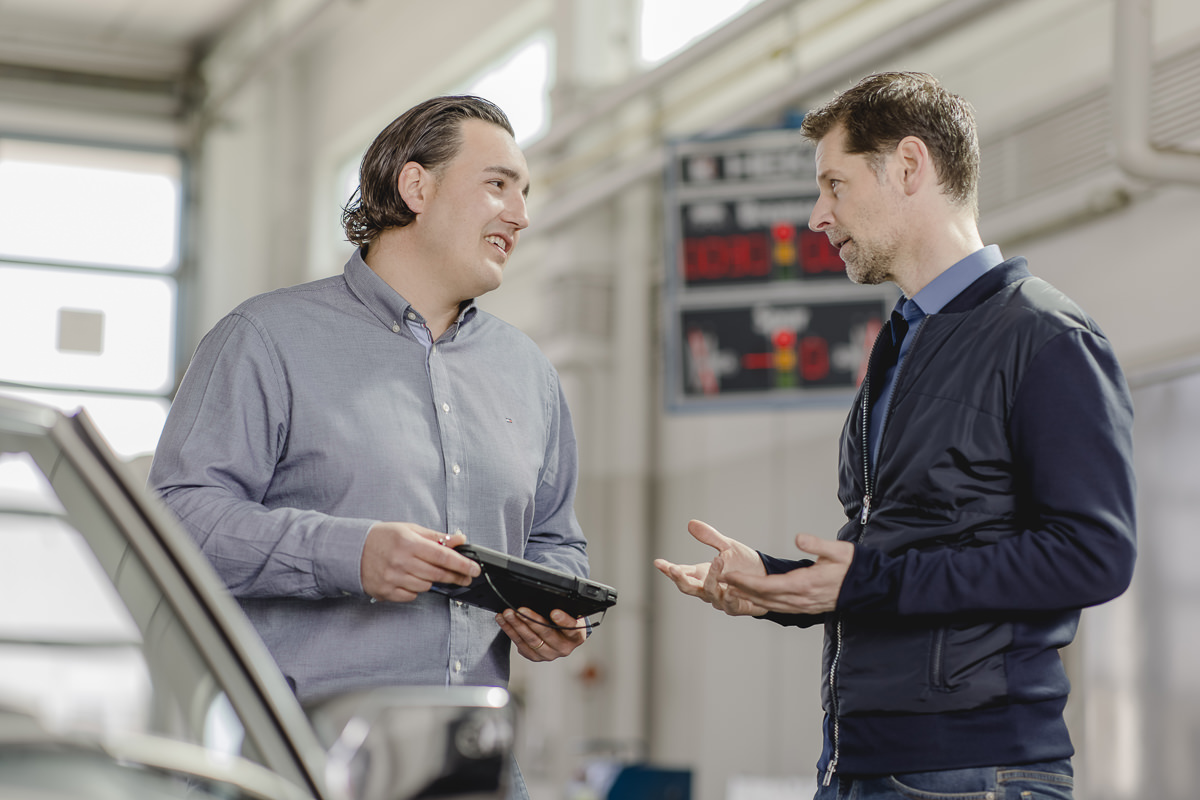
775 566
872 583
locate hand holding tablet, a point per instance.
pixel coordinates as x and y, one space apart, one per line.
510 582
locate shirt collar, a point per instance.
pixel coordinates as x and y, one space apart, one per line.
946 286
384 302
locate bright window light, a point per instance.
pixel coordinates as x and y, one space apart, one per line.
80 205
81 328
347 179
130 425
89 242
669 26
521 86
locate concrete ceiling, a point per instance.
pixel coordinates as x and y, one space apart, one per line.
139 40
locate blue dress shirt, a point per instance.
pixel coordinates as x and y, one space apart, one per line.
310 413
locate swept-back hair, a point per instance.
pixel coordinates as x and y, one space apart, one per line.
429 134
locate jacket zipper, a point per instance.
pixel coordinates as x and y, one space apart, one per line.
833 699
863 518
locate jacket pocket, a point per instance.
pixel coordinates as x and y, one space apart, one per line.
937 660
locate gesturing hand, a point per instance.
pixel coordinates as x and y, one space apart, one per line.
401 560
707 581
809 590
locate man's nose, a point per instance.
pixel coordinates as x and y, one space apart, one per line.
820 218
516 213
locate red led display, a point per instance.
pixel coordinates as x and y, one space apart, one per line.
739 256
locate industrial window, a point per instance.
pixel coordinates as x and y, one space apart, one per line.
520 83
669 26
89 250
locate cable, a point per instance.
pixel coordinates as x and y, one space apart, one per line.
588 624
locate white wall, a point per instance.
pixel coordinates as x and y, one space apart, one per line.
1137 272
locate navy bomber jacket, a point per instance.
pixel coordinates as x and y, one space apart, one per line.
1001 505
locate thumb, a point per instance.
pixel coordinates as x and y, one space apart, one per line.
707 534
821 548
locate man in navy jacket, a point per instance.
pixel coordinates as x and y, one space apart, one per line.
985 472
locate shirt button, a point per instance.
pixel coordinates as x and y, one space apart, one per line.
395 327
458 666
411 315
446 407
456 469
458 531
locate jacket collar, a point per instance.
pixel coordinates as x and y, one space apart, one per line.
995 279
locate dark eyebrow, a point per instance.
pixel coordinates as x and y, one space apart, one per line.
511 174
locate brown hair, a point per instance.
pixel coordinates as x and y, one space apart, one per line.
430 134
882 109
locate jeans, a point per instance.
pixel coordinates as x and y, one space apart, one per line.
1047 781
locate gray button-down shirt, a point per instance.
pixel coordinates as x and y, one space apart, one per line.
310 413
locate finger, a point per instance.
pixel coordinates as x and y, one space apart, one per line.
429 569
448 541
445 558
569 633
821 548
763 591
562 639
676 572
426 533
517 624
712 580
570 626
707 534
533 620
453 540
690 580
751 587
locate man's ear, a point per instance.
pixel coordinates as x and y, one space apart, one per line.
915 164
414 185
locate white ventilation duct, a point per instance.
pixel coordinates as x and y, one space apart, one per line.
1133 65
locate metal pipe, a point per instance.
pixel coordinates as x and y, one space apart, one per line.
863 60
912 33
1133 64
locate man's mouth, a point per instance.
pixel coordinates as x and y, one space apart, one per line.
500 242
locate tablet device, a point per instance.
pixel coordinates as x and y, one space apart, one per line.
510 582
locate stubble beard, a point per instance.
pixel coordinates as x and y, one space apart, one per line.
870 265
